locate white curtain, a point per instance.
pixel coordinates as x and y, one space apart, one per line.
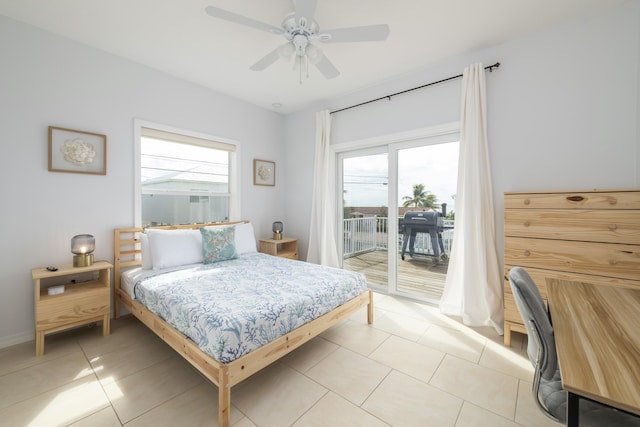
323 248
473 289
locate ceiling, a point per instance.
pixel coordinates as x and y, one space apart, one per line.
179 38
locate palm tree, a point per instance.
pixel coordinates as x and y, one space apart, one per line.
421 198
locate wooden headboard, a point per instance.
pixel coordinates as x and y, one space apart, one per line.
127 247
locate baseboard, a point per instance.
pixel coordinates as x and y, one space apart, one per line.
17 339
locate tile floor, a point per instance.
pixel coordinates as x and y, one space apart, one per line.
412 367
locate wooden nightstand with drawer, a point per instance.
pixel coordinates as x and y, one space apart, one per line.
79 303
285 248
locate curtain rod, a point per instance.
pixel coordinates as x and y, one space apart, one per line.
490 68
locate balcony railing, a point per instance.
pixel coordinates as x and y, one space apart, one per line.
370 233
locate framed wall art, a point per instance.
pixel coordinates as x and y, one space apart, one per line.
264 172
76 151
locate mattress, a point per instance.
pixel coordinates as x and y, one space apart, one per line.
230 308
129 278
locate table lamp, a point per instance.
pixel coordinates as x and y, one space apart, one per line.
82 246
277 230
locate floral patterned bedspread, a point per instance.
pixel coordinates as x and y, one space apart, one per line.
232 307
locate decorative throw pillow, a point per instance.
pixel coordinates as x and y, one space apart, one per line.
218 244
245 240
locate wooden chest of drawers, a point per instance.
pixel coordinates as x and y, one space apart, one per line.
591 236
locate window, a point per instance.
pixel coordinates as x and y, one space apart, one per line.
184 179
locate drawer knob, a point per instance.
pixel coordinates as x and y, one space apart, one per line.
575 198
527 201
527 253
613 262
613 201
527 223
613 227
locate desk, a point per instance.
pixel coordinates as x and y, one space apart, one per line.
597 331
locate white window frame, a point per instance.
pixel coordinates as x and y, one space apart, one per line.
234 166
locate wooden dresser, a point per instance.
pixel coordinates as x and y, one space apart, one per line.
588 236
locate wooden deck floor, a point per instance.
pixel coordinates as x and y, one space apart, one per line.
417 276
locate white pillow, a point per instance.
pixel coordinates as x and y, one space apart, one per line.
147 261
245 241
171 248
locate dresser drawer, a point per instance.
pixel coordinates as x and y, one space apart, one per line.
573 200
600 259
511 313
620 226
73 308
539 276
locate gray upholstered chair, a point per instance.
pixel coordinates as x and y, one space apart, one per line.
541 348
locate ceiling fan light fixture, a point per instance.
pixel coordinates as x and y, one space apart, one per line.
300 28
286 50
314 54
300 42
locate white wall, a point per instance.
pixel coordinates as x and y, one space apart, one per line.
48 80
562 112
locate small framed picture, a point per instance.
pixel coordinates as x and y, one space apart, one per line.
264 172
76 151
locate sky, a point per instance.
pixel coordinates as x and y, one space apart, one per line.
436 166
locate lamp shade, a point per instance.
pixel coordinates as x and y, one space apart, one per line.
277 230
83 244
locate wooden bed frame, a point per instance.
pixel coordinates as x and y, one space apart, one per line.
128 253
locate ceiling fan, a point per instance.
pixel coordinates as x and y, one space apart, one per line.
300 29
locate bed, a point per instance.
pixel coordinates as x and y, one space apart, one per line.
319 297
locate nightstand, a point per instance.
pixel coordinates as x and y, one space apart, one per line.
81 302
285 247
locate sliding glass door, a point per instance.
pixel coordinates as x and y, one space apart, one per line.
398 214
427 179
365 197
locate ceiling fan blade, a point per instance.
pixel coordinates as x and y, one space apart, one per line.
267 60
242 20
367 33
305 9
327 69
